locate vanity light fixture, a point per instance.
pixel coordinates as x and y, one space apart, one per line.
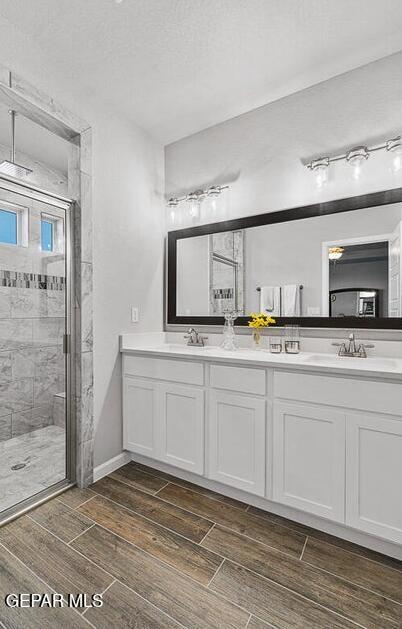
335 253
356 157
195 199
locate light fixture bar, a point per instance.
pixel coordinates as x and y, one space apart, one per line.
196 196
356 156
387 145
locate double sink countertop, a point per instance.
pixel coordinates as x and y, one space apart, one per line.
157 346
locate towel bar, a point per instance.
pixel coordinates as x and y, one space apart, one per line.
259 288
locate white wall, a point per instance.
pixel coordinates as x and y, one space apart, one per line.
259 154
193 276
128 224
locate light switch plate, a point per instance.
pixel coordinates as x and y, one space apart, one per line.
135 315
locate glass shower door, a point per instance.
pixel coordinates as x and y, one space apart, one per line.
34 324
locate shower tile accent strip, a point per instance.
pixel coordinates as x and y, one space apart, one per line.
17 279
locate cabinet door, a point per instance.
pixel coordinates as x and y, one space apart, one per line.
181 438
237 441
374 475
309 459
139 415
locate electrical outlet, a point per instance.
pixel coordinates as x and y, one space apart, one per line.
135 314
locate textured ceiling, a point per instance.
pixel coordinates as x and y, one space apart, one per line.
178 66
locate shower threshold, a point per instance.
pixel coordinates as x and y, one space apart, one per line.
30 464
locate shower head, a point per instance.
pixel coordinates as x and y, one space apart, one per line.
9 167
14 170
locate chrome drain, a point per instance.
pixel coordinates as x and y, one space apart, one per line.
18 466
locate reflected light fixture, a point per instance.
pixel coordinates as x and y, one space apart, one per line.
356 158
320 168
335 253
394 146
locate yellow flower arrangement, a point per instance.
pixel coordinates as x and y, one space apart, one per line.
259 320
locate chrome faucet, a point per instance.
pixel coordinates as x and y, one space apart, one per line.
350 349
195 339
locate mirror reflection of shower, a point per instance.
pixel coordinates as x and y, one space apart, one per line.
226 272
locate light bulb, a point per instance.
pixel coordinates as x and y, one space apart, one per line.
194 200
213 193
356 158
194 209
395 146
397 163
320 168
321 176
357 169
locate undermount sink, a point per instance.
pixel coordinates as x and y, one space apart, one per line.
174 347
372 362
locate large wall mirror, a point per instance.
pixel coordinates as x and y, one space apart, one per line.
335 264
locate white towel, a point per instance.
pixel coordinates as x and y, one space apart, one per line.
290 300
270 300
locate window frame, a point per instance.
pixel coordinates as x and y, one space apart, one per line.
57 232
22 223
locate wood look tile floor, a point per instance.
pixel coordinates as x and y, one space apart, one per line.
168 554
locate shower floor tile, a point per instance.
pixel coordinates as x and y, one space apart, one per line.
43 454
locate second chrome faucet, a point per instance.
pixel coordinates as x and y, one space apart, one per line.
351 348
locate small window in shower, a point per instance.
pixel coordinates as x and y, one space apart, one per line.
8 227
47 235
52 233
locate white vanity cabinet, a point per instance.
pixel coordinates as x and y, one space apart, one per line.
323 442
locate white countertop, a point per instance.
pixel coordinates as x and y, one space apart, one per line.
155 345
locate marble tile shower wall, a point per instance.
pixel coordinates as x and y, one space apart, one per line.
32 324
222 286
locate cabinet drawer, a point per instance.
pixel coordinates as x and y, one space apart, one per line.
182 371
382 397
241 379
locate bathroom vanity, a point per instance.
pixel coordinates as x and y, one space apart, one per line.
313 437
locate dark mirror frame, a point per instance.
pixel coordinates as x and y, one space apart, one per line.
349 204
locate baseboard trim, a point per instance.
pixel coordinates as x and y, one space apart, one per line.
111 465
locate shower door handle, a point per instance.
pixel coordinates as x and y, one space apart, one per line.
66 343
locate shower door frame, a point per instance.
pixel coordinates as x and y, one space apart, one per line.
68 206
30 101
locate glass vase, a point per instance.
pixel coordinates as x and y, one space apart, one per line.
229 336
257 339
